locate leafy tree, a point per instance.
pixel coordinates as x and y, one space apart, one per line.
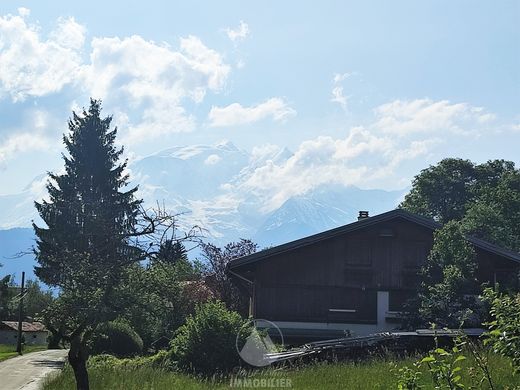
217 260
495 216
5 298
36 300
447 190
443 191
448 281
96 231
159 290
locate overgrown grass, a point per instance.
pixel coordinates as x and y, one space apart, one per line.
9 351
372 374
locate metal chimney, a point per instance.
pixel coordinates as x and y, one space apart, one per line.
362 215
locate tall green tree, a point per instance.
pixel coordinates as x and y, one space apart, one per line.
448 289
85 247
495 215
442 191
447 190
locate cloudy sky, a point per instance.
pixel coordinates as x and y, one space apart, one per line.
365 92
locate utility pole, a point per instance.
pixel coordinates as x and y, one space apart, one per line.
20 316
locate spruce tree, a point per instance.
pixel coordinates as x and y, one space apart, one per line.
85 246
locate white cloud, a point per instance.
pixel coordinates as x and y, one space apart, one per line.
338 97
339 77
23 12
21 143
147 81
154 79
212 159
235 114
337 90
238 34
405 117
31 65
370 156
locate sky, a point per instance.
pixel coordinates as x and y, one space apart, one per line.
364 93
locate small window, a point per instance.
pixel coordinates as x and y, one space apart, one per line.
34 336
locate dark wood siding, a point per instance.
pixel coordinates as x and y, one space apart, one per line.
314 303
345 272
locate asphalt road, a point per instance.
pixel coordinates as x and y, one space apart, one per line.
27 372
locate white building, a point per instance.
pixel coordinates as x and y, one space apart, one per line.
34 333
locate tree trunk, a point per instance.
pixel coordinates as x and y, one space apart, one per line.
78 361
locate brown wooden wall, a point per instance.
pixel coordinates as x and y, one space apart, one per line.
345 272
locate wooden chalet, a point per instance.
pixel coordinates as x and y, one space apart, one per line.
354 278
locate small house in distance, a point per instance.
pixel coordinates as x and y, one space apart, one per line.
354 278
34 333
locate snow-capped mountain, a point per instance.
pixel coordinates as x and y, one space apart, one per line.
205 185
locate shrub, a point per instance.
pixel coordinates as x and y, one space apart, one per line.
205 344
504 329
116 338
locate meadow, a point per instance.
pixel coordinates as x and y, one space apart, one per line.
377 373
9 351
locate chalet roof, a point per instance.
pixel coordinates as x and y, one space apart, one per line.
26 326
363 223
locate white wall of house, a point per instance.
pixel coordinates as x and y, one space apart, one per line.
10 337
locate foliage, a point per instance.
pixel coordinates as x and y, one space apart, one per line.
164 293
206 344
495 216
36 300
95 232
370 374
504 329
117 338
443 191
408 378
485 197
217 260
5 298
446 367
446 296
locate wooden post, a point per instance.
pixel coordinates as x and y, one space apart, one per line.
20 317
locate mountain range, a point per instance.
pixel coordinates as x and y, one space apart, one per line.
206 185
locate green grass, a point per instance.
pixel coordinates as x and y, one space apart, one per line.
374 374
9 351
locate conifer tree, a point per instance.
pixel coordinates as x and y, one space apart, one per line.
85 246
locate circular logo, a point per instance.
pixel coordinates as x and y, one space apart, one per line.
254 342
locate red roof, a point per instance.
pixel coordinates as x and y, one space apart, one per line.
26 326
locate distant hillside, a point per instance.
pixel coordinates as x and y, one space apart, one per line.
12 242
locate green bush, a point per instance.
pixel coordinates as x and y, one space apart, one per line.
504 329
205 344
116 338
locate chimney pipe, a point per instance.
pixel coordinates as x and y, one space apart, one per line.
362 215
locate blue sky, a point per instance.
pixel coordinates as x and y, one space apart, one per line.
364 93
